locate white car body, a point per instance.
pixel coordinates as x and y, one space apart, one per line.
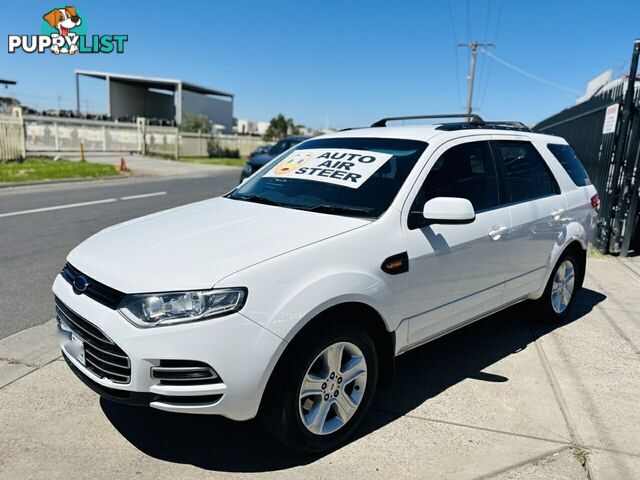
296 264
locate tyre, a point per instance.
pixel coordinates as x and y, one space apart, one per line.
557 300
322 388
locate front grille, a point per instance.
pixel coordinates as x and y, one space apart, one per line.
255 168
101 293
102 356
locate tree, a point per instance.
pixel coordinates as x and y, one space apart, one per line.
195 123
280 127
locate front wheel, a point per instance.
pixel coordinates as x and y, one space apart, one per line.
322 388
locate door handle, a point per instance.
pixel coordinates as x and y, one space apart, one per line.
556 213
498 232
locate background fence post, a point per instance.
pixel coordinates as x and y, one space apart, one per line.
17 112
142 135
56 137
177 152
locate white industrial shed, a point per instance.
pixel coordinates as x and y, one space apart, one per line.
161 98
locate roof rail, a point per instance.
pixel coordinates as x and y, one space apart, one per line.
473 118
507 125
510 123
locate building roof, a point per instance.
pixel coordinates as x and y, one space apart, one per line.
153 82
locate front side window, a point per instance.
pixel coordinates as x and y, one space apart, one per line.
571 163
527 173
341 176
464 171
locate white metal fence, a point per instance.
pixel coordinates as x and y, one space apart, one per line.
12 145
40 133
65 134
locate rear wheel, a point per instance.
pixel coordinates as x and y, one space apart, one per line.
322 389
557 300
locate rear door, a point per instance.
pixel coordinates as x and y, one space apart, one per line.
456 272
537 211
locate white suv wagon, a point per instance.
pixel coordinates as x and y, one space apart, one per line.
290 297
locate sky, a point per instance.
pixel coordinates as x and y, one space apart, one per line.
338 63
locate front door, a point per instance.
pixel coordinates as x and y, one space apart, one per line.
456 272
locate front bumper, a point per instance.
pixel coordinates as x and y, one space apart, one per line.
242 352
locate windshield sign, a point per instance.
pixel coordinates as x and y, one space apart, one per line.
357 176
339 166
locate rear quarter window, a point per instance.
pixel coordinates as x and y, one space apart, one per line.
571 163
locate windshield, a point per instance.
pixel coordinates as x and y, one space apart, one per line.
343 176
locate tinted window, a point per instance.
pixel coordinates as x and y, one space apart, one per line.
370 199
527 172
571 163
464 171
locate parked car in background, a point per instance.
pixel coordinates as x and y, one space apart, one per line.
256 162
261 149
290 297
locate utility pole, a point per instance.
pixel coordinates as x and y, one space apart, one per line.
473 47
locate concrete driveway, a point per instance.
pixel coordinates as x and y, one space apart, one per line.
505 398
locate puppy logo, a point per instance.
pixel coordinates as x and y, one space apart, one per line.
63 20
292 163
64 30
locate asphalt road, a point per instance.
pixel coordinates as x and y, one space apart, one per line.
35 238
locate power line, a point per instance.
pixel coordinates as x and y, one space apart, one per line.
484 60
484 83
468 23
455 49
527 74
486 21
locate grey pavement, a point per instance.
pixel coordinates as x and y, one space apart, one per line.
507 398
145 165
34 244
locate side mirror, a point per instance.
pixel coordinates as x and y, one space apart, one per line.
449 210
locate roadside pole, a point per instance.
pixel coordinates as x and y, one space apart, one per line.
473 46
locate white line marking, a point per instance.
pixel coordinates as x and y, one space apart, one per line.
143 195
58 207
81 204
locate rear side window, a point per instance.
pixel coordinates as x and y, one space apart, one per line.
527 173
571 163
464 171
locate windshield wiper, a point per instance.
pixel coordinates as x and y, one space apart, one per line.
339 210
257 199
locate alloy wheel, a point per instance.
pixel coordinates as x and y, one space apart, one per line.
563 285
332 388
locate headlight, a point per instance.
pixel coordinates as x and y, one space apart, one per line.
150 310
247 168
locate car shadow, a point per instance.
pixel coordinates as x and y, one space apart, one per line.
215 443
